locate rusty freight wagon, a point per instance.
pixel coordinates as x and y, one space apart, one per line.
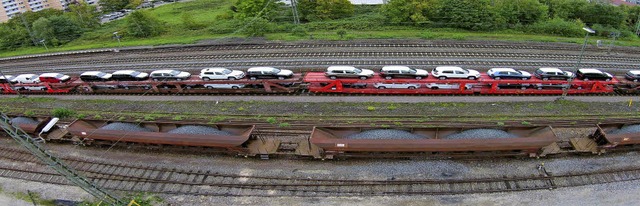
610 136
330 142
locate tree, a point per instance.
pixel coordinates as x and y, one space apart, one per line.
403 11
65 29
314 10
468 14
266 9
43 30
85 15
257 27
13 36
603 14
108 6
565 9
142 24
522 12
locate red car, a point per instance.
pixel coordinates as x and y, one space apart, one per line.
53 77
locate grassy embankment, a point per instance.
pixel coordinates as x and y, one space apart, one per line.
205 12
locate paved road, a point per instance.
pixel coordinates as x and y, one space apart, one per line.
402 99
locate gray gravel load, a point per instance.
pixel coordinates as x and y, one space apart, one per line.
120 126
22 120
385 134
197 129
634 128
481 134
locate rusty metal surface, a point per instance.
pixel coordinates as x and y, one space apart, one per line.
604 138
530 139
89 129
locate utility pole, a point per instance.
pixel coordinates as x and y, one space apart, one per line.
36 149
584 45
294 10
638 26
614 35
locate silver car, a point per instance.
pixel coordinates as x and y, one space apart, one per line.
396 86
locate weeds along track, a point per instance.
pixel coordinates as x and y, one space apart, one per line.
131 177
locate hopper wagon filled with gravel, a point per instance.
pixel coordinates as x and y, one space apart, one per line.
233 139
615 136
332 142
40 127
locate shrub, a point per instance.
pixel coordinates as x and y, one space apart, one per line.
272 120
341 32
558 26
149 117
29 113
371 108
97 116
177 118
284 124
63 112
299 31
217 119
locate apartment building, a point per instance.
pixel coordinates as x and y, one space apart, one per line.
13 7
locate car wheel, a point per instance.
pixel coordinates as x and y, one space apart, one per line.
635 80
332 77
44 89
281 78
178 79
232 78
412 87
127 88
155 79
579 88
608 80
206 79
388 77
442 78
418 77
381 87
524 78
496 78
363 78
209 87
253 78
434 88
472 78
235 87
188 87
523 88
539 88
545 79
586 79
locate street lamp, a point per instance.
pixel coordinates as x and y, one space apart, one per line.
43 44
584 45
116 36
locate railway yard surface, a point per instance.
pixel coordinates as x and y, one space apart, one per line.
197 176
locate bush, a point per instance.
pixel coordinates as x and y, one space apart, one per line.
362 22
257 27
224 27
299 31
63 112
371 108
272 120
558 26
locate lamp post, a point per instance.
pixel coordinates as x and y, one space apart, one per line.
116 36
584 45
43 44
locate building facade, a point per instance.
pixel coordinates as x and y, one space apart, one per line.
13 7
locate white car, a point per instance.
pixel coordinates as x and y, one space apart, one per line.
224 86
447 86
508 73
396 86
169 75
447 72
6 78
26 79
220 73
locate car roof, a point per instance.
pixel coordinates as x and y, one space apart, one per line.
261 68
8 76
22 75
447 67
503 69
395 68
91 73
636 72
124 72
164 71
340 67
590 71
49 74
213 69
550 69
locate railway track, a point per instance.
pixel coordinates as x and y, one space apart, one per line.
139 178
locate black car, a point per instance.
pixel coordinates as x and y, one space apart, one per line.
95 76
553 73
129 75
633 75
593 74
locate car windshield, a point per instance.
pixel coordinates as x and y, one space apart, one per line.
175 72
466 70
135 73
59 76
226 71
358 70
276 70
101 74
413 70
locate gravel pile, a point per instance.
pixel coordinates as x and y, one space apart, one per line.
481 134
120 126
385 134
197 129
22 120
634 128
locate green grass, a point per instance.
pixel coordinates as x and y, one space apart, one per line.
205 12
